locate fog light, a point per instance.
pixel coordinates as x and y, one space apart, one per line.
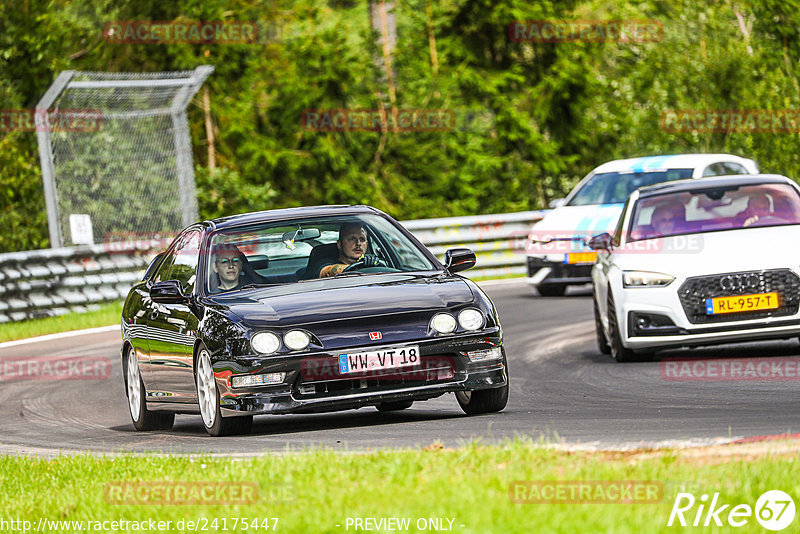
243 381
485 354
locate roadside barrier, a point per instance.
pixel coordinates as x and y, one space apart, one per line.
51 282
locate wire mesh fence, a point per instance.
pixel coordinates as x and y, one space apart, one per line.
130 169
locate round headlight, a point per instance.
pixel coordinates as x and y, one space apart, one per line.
265 343
470 319
444 323
296 340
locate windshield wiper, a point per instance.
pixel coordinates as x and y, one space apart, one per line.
254 286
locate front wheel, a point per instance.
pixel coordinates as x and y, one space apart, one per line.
208 397
602 344
143 419
552 290
394 406
618 351
483 400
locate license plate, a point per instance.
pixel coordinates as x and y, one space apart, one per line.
742 303
374 360
580 257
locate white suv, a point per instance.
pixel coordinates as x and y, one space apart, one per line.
557 254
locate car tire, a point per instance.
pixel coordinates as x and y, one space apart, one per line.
143 419
394 406
483 400
618 351
602 342
208 400
552 290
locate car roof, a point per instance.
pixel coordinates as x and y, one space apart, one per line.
291 213
671 161
695 184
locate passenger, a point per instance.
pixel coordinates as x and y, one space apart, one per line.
669 219
227 265
352 245
758 207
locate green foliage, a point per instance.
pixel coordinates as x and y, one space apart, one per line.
546 112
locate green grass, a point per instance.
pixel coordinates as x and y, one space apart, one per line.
318 490
105 315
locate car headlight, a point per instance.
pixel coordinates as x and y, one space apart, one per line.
645 279
265 343
443 323
470 319
296 340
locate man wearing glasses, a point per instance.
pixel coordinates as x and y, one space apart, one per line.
227 265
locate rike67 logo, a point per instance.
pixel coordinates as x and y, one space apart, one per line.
774 510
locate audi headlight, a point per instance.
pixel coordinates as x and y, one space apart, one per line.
265 343
443 323
645 279
470 319
296 339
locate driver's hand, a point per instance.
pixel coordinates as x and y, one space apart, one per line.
371 260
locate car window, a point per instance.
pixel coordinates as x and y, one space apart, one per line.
615 187
163 270
733 168
186 258
290 252
715 169
715 209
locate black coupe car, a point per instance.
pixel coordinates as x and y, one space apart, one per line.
306 310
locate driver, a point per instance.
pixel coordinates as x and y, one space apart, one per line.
227 265
352 245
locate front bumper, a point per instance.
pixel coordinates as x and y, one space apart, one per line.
543 271
313 382
675 330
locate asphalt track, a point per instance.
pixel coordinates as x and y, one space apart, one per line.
562 390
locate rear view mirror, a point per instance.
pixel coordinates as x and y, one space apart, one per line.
459 259
603 241
301 234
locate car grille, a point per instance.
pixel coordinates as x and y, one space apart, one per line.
694 292
433 370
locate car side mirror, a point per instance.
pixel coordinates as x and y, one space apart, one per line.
168 292
459 259
556 203
604 241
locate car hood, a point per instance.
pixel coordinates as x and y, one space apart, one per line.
319 301
571 221
714 252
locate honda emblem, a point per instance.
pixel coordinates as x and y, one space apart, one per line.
375 336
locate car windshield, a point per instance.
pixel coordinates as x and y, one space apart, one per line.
287 252
615 187
715 209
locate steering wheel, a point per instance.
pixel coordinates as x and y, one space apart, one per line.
361 264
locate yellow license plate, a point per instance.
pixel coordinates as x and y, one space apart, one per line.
742 303
580 257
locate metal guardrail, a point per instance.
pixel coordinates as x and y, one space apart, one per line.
45 283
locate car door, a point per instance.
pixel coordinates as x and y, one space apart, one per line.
135 325
173 327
